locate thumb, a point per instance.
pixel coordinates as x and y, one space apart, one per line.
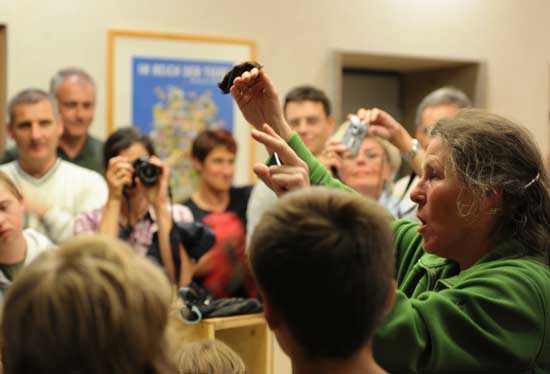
262 171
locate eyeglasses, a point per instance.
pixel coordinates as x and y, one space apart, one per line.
369 155
426 130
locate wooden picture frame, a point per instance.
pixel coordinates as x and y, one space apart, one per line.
164 84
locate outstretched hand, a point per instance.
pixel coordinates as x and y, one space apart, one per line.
292 175
258 101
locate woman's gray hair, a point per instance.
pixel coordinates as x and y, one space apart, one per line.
442 96
491 154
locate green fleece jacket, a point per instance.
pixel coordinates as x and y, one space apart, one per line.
493 317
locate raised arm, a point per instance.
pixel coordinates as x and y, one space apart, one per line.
257 99
157 197
118 174
385 126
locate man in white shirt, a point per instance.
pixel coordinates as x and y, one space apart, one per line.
308 111
75 92
55 190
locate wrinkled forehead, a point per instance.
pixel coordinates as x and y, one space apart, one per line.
438 153
42 109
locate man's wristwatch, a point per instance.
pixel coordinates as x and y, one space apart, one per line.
410 155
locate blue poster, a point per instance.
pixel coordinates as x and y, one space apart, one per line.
173 100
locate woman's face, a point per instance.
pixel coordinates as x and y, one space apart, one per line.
11 215
368 171
445 232
217 169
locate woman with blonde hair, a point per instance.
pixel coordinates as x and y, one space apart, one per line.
371 171
90 307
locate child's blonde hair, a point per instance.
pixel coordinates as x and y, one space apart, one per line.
208 357
92 307
12 188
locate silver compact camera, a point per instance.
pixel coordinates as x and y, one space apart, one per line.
354 135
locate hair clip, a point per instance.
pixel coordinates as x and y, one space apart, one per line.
532 181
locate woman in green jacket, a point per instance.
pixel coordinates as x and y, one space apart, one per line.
473 276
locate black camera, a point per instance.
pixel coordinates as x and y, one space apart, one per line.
147 172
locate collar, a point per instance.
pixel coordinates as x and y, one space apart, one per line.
37 181
88 150
507 249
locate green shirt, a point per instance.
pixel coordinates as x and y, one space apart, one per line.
493 317
89 157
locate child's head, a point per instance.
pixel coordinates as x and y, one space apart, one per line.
11 210
91 307
208 357
323 260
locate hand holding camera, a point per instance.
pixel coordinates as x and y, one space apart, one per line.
332 155
353 137
152 175
385 126
119 174
148 174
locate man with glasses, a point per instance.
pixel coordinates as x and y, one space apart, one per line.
308 111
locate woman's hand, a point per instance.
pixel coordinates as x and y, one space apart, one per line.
293 174
385 126
332 155
258 101
119 174
157 195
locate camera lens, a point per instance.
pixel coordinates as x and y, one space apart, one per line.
148 173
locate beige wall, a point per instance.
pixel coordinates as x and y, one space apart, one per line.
297 39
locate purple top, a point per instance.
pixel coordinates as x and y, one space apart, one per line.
142 234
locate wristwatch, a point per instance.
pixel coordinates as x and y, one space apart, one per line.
410 155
